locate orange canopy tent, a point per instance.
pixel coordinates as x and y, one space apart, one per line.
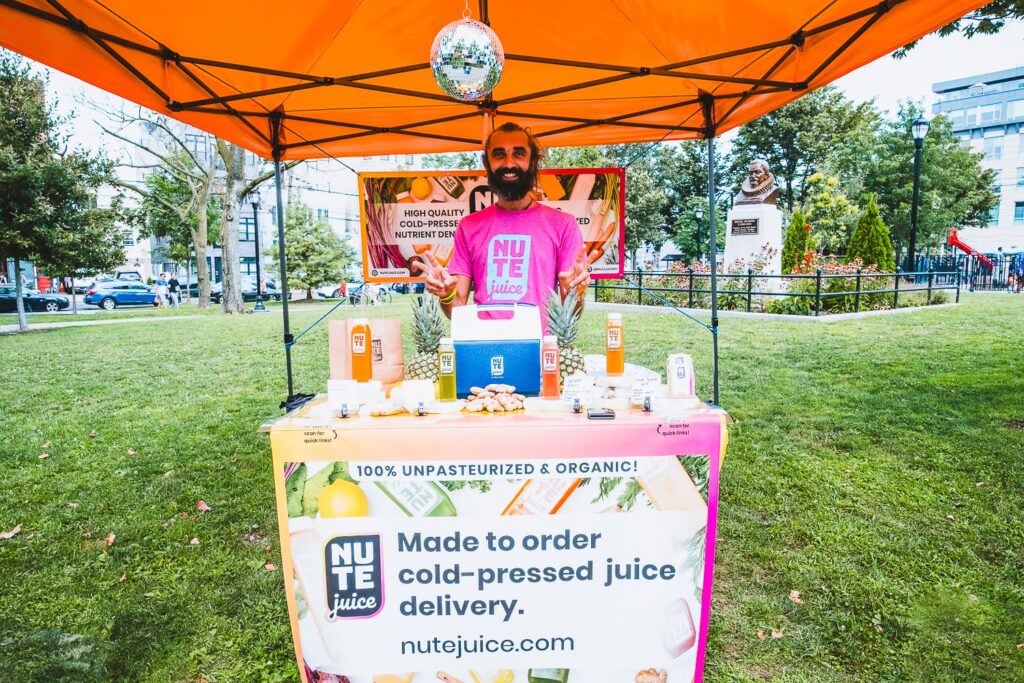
330 78
351 77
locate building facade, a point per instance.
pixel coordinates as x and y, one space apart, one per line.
987 111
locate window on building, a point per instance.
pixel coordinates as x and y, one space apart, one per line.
971 116
1020 175
323 213
993 149
247 265
196 144
956 116
127 238
1018 212
993 215
989 113
246 229
1014 109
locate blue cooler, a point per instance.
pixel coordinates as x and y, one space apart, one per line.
497 344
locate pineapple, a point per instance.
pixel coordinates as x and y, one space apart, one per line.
564 323
427 329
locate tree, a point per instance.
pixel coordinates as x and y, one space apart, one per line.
794 244
644 222
870 241
316 254
955 189
986 20
690 236
47 195
830 212
453 161
797 139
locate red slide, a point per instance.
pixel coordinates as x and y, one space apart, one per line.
954 241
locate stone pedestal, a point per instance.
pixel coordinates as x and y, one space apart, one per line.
749 229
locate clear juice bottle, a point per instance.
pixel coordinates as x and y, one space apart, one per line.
549 369
541 496
419 498
547 675
446 370
613 345
362 360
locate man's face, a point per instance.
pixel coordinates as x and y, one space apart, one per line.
756 174
510 170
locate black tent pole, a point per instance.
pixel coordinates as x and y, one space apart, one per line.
275 120
708 104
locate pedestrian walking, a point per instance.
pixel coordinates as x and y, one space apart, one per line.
160 286
174 292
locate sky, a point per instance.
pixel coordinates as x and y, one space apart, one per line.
886 79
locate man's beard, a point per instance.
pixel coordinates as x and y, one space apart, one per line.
515 189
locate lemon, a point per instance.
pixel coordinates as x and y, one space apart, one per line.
421 188
342 499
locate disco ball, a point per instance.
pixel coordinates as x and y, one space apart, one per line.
467 59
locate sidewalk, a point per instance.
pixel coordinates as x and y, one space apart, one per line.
13 329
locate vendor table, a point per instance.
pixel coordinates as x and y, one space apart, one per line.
534 547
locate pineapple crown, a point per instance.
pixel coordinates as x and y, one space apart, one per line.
563 317
427 324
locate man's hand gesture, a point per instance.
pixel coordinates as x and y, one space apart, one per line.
439 281
576 278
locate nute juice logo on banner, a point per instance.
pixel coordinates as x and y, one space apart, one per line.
508 267
355 581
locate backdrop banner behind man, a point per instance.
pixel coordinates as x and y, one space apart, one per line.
406 213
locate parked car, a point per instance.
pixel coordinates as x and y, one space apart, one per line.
110 295
270 291
334 291
128 275
34 300
407 287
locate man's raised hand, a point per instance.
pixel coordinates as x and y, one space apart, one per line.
439 281
576 278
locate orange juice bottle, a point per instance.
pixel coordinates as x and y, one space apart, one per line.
362 360
549 374
613 345
541 496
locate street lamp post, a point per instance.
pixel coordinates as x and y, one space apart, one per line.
699 213
919 129
259 307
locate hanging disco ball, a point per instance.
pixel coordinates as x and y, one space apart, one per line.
467 59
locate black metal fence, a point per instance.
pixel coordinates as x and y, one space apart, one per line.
975 275
806 294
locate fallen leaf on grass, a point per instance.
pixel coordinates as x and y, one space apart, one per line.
776 635
951 518
878 627
87 534
168 473
110 538
44 456
30 537
124 577
70 391
980 484
972 598
10 534
849 472
202 506
194 541
795 597
760 634
46 445
131 451
92 434
270 567
266 548
72 505
1020 646
253 538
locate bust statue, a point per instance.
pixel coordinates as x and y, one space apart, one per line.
759 185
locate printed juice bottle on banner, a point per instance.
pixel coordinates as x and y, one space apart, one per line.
680 634
446 370
362 360
549 371
613 346
547 675
419 498
541 496
669 487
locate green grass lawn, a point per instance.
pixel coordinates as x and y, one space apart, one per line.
873 468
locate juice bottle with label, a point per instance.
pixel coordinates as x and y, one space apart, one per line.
362 361
547 675
541 496
613 346
446 370
549 374
419 498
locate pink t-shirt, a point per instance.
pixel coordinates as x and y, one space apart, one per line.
515 256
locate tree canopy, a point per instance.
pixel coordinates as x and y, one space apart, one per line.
315 254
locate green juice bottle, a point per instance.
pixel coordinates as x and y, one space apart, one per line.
547 675
419 498
446 370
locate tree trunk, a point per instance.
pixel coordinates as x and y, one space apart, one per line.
200 240
234 163
22 320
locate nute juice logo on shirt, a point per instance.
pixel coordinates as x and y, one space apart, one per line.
508 267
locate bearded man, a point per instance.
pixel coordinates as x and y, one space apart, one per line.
516 250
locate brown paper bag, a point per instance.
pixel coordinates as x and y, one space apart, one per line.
385 346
